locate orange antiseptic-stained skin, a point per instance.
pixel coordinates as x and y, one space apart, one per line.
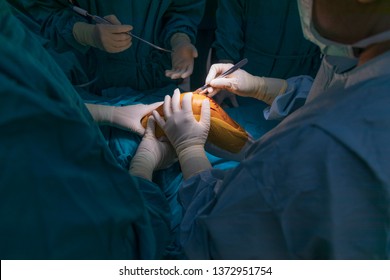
224 133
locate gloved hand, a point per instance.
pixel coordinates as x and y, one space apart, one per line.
242 83
112 38
186 134
152 154
182 57
224 94
124 117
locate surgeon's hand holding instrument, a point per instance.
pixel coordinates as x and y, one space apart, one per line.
115 33
229 69
110 38
187 135
244 84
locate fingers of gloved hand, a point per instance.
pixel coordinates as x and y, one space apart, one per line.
190 50
205 113
146 109
181 69
114 29
195 53
113 38
227 83
149 155
128 118
133 125
139 129
167 107
200 91
180 72
187 71
182 61
116 46
216 70
119 38
175 73
159 120
112 33
113 19
176 107
187 102
150 128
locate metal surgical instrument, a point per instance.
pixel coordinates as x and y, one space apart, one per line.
98 19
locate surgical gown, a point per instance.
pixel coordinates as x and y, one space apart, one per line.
315 187
139 67
63 195
68 61
269 34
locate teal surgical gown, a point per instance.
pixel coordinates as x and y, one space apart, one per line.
139 67
70 63
62 194
315 187
269 34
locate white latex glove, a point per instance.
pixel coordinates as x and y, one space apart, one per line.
242 83
124 117
182 57
112 38
186 134
152 154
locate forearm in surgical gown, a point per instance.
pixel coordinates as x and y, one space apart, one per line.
315 187
298 88
69 61
63 196
258 118
139 67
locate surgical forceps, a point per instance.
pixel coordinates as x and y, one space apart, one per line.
98 19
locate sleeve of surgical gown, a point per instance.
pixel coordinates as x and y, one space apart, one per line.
295 96
302 196
63 195
56 20
229 35
182 16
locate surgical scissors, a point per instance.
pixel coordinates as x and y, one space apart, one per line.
98 19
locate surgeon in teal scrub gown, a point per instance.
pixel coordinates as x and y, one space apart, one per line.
63 195
126 61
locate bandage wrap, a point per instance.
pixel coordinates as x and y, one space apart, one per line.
224 132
